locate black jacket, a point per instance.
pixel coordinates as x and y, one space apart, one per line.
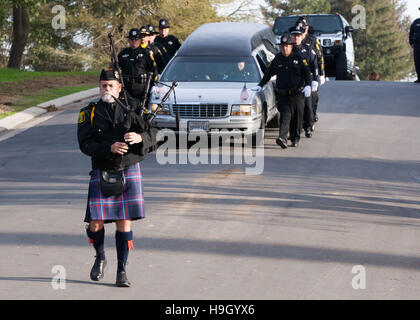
309 55
135 64
313 42
160 54
101 124
170 43
414 37
292 72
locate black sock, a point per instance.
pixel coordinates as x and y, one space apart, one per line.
123 242
97 239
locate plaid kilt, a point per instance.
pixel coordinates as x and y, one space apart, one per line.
128 205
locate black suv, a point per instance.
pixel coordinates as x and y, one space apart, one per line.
335 35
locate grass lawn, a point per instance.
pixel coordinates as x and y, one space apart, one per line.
15 75
24 89
32 100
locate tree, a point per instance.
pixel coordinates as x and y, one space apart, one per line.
20 26
276 8
20 35
84 43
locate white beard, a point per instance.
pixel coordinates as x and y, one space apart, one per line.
107 98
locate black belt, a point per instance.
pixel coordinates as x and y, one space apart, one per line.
290 92
141 78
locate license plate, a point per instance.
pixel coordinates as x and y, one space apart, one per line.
198 126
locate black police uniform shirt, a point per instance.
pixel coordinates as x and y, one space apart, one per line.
292 72
150 51
170 43
313 42
135 64
414 37
101 124
160 55
310 56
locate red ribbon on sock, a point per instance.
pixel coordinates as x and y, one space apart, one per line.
130 245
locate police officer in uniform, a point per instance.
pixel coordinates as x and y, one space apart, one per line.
312 41
170 42
414 39
136 62
106 133
159 51
310 56
293 83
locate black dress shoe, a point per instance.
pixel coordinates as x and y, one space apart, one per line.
316 118
122 280
281 142
97 272
295 143
308 133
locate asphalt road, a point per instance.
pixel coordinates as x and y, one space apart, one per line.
336 218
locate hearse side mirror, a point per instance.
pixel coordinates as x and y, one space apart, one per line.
349 29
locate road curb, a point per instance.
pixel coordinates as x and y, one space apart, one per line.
16 119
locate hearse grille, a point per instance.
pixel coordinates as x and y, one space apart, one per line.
201 110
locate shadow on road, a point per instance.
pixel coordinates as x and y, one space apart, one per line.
219 247
48 280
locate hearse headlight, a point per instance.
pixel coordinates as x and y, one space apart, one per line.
244 109
163 110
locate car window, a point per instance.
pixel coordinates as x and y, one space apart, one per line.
282 24
262 60
326 24
202 69
320 24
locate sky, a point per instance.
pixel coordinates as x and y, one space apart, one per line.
412 7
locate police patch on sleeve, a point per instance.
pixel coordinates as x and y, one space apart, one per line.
82 117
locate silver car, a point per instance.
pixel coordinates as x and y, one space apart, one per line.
215 68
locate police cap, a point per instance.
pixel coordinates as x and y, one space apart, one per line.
109 74
296 30
286 39
163 23
151 29
144 32
302 21
134 34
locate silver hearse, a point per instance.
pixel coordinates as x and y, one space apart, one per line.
216 67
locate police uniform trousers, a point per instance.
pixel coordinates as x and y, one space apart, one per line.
128 205
308 113
315 99
291 115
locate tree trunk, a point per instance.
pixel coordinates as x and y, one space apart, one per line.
20 35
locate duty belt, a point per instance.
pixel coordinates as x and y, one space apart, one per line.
141 78
290 92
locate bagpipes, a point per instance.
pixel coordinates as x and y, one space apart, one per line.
116 66
144 112
142 120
